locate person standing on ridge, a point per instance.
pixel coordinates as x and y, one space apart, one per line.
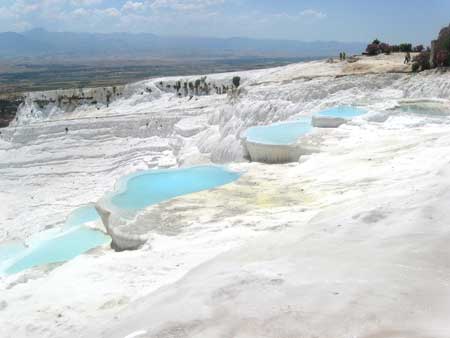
407 57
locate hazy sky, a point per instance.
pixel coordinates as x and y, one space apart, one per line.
345 20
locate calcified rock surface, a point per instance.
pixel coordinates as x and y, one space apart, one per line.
272 153
281 153
349 242
8 108
120 240
328 122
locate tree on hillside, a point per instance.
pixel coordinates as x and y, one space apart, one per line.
421 62
440 48
385 48
236 81
405 47
373 49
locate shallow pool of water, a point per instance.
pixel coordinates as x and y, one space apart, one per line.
135 192
59 246
82 215
343 112
54 245
423 108
279 133
154 186
10 249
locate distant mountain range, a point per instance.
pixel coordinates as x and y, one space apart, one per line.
39 42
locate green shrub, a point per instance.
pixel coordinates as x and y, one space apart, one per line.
421 62
385 48
373 49
236 81
405 47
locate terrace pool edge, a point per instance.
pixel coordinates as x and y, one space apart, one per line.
322 120
113 217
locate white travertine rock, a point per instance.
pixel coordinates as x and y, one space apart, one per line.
275 153
352 241
120 241
328 121
190 126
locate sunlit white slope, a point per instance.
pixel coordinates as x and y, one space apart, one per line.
351 241
373 261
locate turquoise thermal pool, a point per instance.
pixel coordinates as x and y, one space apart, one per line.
82 215
61 246
54 245
423 108
342 112
279 133
136 191
154 186
11 249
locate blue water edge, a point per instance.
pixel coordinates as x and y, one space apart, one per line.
136 191
343 112
279 133
154 186
82 215
54 245
59 247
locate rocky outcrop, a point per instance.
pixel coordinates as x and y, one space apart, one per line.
280 153
440 45
433 53
198 86
69 99
8 109
40 104
328 121
119 241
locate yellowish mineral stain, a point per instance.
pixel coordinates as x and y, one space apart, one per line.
261 188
